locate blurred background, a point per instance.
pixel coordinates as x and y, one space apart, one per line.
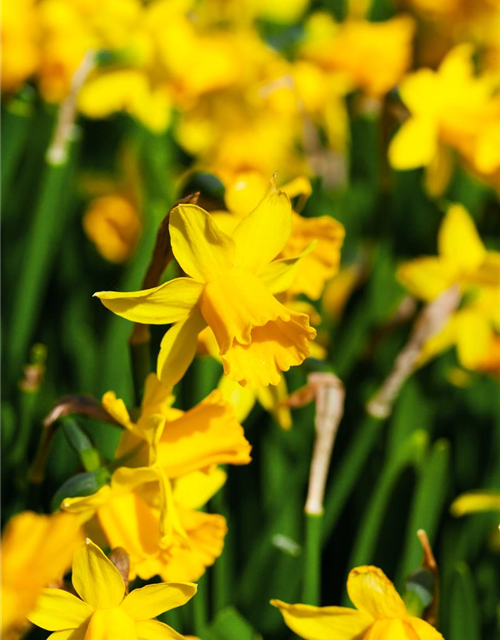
384 114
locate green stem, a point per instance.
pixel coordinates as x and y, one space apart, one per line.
311 593
15 129
221 571
42 242
140 360
200 608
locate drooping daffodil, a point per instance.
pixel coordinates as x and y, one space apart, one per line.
231 287
104 610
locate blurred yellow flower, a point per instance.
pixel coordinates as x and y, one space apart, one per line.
36 551
104 609
462 260
449 108
380 613
20 55
372 55
179 442
113 224
231 286
475 501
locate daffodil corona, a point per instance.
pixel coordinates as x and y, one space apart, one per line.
104 610
230 287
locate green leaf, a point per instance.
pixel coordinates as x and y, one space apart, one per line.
419 591
464 618
229 624
83 484
81 443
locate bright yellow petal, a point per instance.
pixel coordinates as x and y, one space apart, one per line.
116 408
200 247
271 398
439 171
71 634
170 302
86 506
157 397
423 629
391 629
274 348
95 578
324 623
243 400
440 342
373 593
458 239
178 348
262 234
476 501
279 275
414 145
156 630
474 338
111 623
426 278
194 490
56 610
206 435
154 599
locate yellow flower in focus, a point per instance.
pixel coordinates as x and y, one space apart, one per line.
179 442
36 551
380 613
373 55
113 224
104 610
449 108
20 53
156 523
231 288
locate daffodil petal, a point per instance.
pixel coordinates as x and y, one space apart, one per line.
178 348
476 501
474 338
263 233
458 239
154 599
423 629
374 594
116 408
426 278
199 246
243 400
414 145
156 630
194 490
79 633
95 578
279 275
390 629
56 610
324 623
111 623
170 302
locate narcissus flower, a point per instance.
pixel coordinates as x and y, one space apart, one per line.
179 442
380 613
158 525
462 260
451 108
36 551
231 287
104 610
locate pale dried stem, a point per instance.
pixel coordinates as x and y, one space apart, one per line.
329 394
431 321
120 558
57 152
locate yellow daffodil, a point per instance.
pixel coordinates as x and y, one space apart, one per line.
20 54
180 442
380 613
36 551
157 525
449 108
104 609
231 286
475 502
113 224
462 260
372 55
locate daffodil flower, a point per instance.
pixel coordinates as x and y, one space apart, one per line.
380 613
104 610
231 287
156 523
179 442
